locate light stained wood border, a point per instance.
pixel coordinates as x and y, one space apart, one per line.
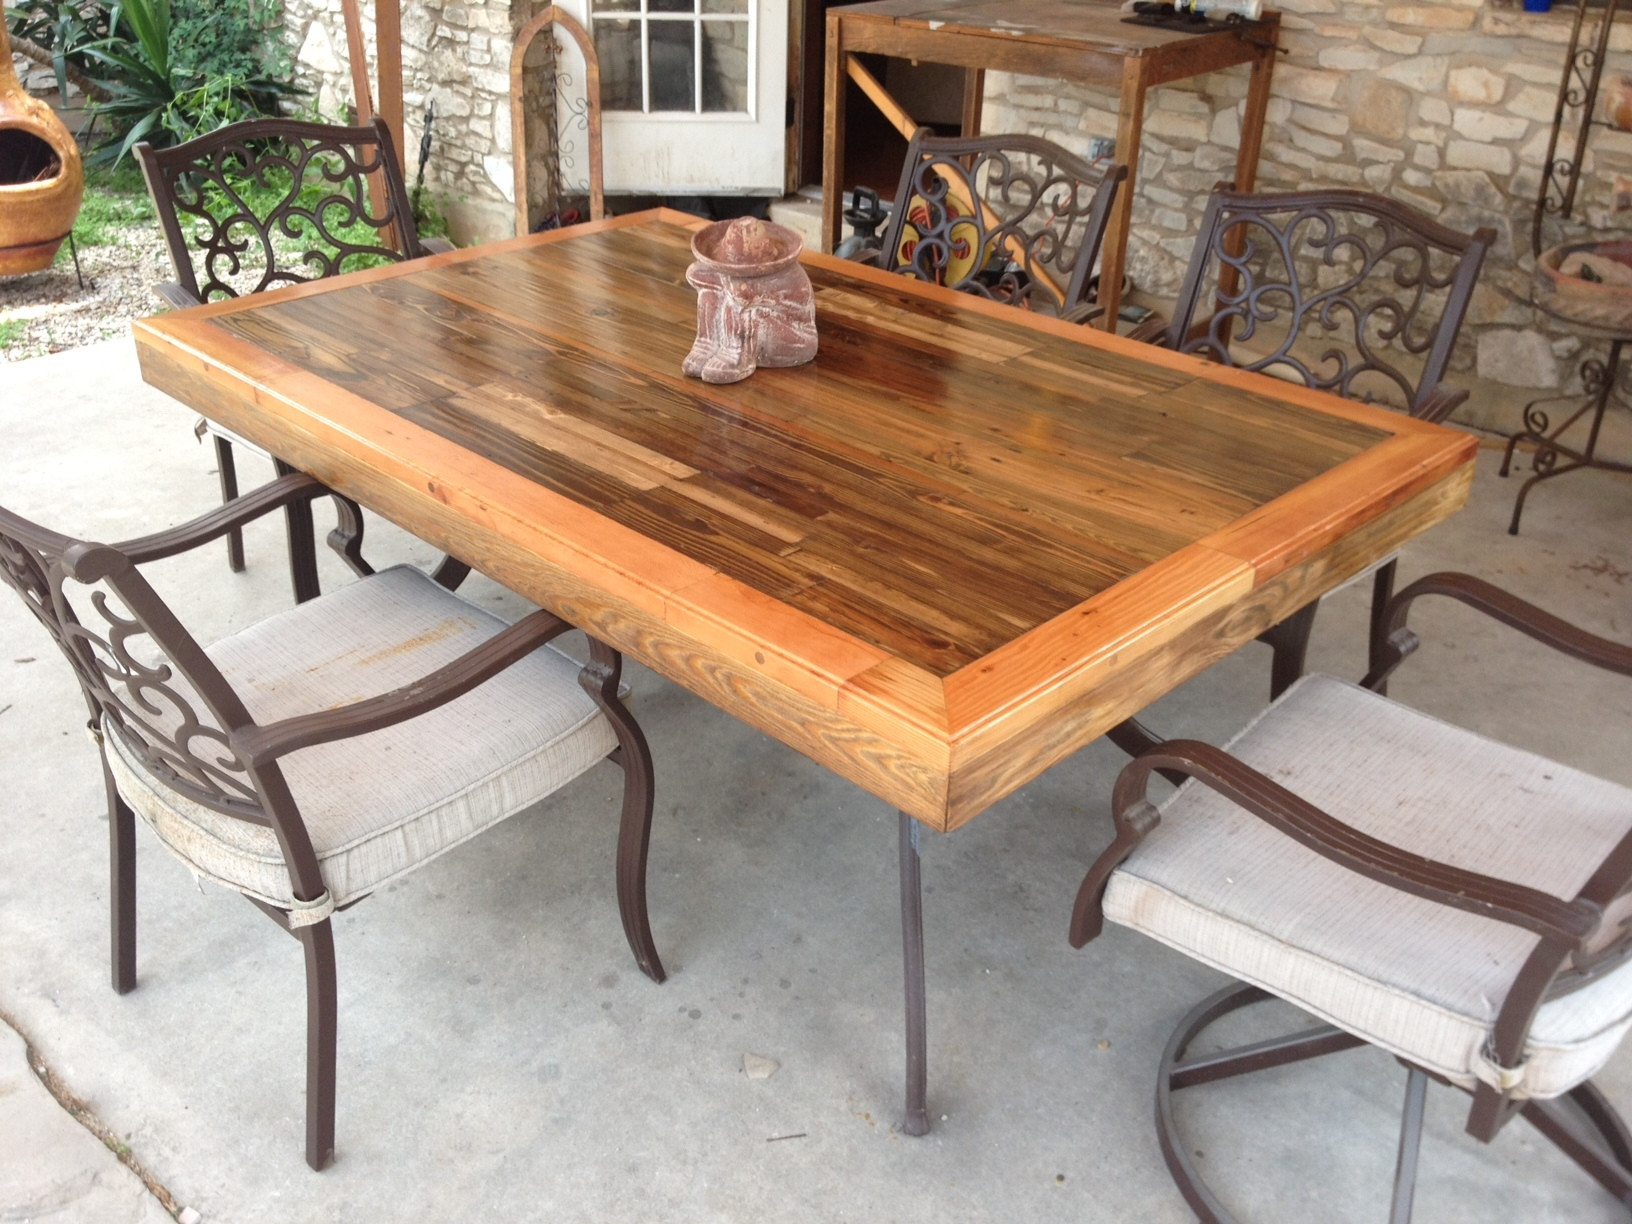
942 750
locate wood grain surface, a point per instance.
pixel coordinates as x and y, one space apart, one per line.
960 543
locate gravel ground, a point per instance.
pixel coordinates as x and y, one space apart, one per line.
57 314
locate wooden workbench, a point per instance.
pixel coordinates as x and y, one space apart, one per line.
1074 40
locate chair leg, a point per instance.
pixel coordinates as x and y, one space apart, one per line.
302 543
1382 590
121 885
1176 1074
1405 1167
228 470
1290 642
599 679
322 1009
450 573
347 536
1585 1127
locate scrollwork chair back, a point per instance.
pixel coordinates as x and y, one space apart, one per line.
143 675
1345 291
271 202
1015 219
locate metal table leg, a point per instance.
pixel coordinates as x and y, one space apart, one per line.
1599 381
912 953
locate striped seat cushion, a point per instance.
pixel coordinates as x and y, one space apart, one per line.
380 804
1418 978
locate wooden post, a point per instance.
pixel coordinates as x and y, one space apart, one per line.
388 94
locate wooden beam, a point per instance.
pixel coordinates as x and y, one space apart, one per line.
388 43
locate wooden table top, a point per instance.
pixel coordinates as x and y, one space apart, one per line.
958 545
1095 24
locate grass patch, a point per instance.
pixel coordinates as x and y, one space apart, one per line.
11 331
114 198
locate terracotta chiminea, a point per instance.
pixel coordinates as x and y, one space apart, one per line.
41 180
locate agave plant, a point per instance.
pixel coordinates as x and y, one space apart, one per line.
154 96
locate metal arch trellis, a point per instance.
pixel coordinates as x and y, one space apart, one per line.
581 114
1577 92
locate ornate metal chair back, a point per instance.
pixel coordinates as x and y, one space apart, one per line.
1346 291
143 676
1016 219
270 202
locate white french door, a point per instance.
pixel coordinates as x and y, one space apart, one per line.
693 93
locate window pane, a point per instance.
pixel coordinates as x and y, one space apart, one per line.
725 66
617 44
725 6
616 6
673 73
672 6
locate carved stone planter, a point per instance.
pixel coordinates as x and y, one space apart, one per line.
41 181
754 302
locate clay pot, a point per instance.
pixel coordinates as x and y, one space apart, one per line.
41 179
1618 103
754 302
1561 290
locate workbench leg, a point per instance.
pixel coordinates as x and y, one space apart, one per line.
1113 258
974 98
833 134
1246 166
912 952
1252 120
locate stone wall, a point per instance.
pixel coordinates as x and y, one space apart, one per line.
1443 104
457 54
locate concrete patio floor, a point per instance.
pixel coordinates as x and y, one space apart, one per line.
502 1059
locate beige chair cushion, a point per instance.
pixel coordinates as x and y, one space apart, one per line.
379 805
1418 978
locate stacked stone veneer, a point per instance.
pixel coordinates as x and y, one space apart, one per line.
1445 106
455 54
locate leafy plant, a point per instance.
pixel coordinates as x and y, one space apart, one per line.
165 88
64 29
11 331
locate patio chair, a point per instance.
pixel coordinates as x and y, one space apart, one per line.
270 202
317 756
1457 902
1016 219
1343 291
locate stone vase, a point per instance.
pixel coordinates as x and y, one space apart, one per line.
41 179
754 302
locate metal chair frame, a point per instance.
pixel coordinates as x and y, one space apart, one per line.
1268 252
1030 214
212 232
1575 944
219 757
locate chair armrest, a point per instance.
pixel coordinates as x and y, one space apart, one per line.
1395 641
1152 331
174 295
1082 312
259 745
1439 403
1568 923
436 246
273 495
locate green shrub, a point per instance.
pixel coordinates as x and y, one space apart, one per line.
172 73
